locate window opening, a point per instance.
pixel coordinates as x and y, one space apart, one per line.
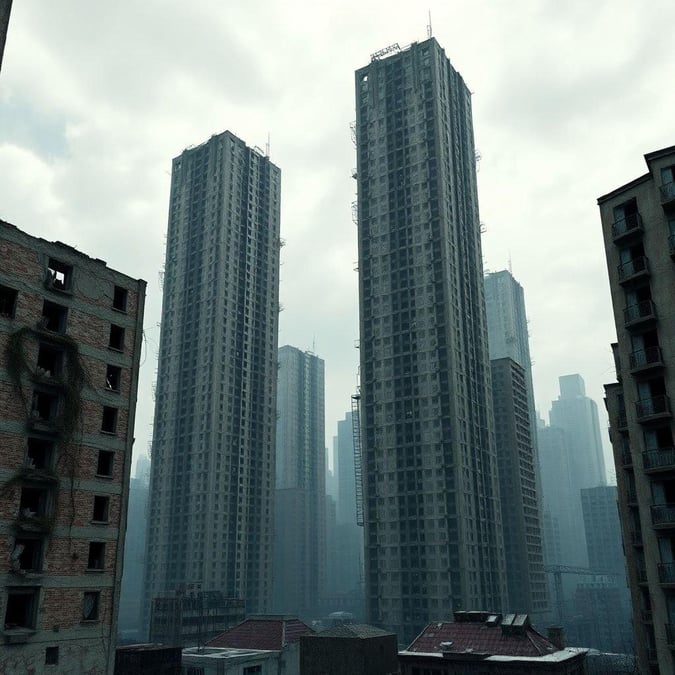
34 501
120 297
21 605
39 453
113 377
49 361
116 337
101 507
8 298
109 422
104 465
96 560
90 604
26 556
51 656
60 275
44 406
54 317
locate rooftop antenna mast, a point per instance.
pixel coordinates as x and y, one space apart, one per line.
429 31
267 146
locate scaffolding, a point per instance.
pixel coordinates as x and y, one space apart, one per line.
358 471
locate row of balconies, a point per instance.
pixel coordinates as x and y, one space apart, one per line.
631 226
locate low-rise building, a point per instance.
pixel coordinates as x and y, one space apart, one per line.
489 644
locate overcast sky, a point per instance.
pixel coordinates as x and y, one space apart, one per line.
96 98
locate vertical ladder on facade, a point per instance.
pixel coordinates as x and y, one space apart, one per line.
358 472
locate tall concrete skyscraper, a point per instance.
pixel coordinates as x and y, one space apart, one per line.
638 223
300 526
433 536
577 415
211 506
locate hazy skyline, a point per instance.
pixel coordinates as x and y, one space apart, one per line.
95 101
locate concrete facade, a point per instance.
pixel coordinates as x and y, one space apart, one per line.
638 223
70 339
523 547
211 506
433 536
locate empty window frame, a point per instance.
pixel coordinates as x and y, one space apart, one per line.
54 317
101 509
59 275
120 297
39 454
51 656
34 501
113 377
26 555
96 559
90 605
116 340
8 298
104 465
44 406
50 360
109 420
21 609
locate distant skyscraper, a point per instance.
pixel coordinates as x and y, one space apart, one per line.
212 478
577 415
518 490
300 524
5 10
638 223
433 537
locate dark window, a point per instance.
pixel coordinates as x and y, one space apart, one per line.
59 275
39 453
21 608
101 506
50 360
45 406
34 501
116 337
51 656
54 317
109 422
113 377
104 465
26 556
90 603
120 299
96 560
7 302
253 670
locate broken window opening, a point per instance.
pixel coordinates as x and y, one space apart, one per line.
49 361
21 610
96 560
105 463
8 298
39 454
26 556
45 406
101 509
120 297
54 317
116 340
34 502
109 421
90 603
59 275
113 377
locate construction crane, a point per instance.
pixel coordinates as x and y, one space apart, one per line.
558 570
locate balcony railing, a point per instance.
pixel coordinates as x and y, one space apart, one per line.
633 269
667 573
642 575
663 515
639 313
652 408
621 420
670 634
667 192
659 460
626 457
628 225
644 359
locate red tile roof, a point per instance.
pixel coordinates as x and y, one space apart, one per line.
272 633
482 639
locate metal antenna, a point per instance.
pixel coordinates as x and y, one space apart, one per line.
267 147
429 31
